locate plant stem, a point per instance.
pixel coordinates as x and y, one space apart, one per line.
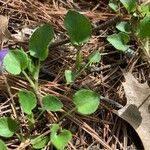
34 85
29 79
36 77
78 58
80 71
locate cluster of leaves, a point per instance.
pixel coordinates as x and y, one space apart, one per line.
136 27
18 62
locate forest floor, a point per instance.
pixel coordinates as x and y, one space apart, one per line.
103 129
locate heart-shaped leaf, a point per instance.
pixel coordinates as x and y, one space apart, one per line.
40 40
8 127
130 5
86 101
15 61
78 27
52 103
3 145
95 57
119 41
143 27
27 101
39 142
60 141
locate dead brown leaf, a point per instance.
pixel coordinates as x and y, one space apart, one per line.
4 32
145 1
137 110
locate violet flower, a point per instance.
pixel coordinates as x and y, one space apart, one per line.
3 52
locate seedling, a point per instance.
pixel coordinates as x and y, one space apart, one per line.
79 30
70 76
18 62
136 27
60 141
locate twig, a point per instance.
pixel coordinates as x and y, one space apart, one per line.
112 102
107 24
11 97
97 69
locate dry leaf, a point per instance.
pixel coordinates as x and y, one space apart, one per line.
4 33
144 1
137 110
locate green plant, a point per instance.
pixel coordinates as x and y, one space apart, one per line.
39 142
8 127
79 30
60 140
135 28
3 145
86 101
18 62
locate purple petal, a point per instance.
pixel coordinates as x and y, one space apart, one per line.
3 52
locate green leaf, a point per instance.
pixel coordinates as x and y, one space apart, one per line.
113 5
2 145
8 127
95 57
52 103
145 9
86 101
15 61
78 27
61 140
130 5
40 40
123 27
144 31
119 41
39 142
27 101
69 76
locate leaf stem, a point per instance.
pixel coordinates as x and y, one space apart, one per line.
36 77
29 79
78 57
80 71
